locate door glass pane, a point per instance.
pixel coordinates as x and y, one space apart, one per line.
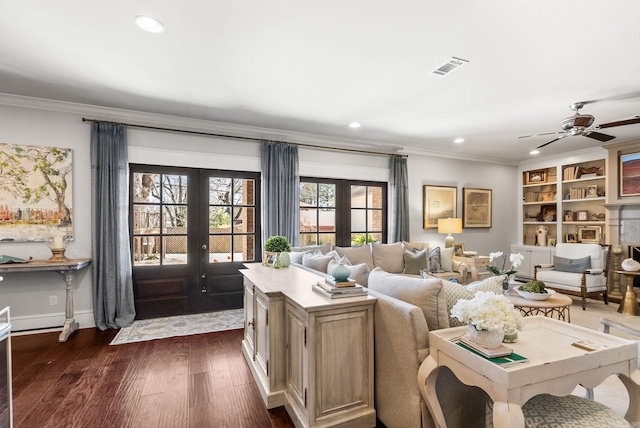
219 220
375 197
358 219
326 195
174 189
244 192
174 250
358 196
375 237
374 220
146 219
175 220
146 250
308 220
358 239
219 248
243 248
220 191
328 238
327 220
308 239
244 219
146 187
308 194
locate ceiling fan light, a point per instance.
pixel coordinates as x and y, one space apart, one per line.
354 125
149 24
534 152
458 140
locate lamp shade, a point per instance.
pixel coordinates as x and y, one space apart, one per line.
449 225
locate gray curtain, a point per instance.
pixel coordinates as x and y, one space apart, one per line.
398 200
280 191
110 250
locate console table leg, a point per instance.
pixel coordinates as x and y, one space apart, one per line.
70 324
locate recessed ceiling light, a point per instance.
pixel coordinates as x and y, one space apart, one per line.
534 152
459 140
149 24
354 125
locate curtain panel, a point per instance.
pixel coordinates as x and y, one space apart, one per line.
280 191
113 300
399 200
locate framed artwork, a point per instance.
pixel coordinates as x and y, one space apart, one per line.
589 234
476 208
569 216
630 174
535 177
583 215
548 213
570 238
458 249
36 193
438 202
592 191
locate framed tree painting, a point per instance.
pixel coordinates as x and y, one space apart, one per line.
476 208
438 202
36 192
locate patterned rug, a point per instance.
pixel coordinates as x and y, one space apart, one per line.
181 325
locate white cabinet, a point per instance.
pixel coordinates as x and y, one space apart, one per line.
532 256
308 352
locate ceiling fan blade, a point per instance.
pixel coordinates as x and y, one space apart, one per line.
622 97
582 121
552 141
538 135
599 136
635 119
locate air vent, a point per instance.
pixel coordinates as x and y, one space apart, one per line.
451 65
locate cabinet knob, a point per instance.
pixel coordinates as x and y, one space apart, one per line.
250 323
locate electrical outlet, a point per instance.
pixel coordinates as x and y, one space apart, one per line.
53 300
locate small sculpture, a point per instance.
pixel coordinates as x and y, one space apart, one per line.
630 265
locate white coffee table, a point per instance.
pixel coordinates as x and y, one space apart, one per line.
555 367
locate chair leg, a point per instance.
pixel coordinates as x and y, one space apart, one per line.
605 295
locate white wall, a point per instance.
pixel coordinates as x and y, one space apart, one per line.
40 122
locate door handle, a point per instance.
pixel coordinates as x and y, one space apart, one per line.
204 246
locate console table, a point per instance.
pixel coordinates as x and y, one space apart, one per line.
66 269
474 262
310 353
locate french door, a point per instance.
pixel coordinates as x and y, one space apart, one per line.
191 230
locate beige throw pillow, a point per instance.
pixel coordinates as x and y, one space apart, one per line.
388 257
357 255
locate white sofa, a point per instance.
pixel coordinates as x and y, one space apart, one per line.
578 269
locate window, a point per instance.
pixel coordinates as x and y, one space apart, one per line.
342 212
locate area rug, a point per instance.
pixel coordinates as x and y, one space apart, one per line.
181 325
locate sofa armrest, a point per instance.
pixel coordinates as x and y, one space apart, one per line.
545 266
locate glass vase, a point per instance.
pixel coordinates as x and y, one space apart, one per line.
277 264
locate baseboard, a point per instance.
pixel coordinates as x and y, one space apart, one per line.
50 321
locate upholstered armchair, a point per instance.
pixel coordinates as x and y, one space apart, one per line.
578 269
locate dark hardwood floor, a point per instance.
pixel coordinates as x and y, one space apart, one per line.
191 381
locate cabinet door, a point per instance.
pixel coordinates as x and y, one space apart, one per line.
261 313
249 331
297 368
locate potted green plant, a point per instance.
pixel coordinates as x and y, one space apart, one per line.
277 247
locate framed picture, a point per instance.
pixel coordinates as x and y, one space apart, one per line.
589 234
548 213
592 191
582 215
570 238
535 177
458 249
476 208
630 174
438 202
569 216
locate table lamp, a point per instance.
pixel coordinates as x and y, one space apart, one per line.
449 226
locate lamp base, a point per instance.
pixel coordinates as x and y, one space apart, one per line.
58 256
448 241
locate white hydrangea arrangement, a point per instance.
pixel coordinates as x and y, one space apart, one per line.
488 311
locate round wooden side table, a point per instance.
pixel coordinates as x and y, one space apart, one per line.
557 304
629 303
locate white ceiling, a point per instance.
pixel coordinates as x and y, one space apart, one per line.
315 66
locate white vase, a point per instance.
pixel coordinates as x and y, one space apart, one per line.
486 338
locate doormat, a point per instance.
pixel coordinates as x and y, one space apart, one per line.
181 325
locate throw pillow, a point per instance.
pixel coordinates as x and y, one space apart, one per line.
357 255
415 262
317 262
359 272
296 256
571 265
410 246
388 257
454 292
446 259
434 260
427 294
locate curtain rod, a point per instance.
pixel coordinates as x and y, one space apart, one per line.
236 137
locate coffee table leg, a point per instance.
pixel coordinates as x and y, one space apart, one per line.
507 415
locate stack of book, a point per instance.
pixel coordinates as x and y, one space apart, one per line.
577 193
571 173
336 290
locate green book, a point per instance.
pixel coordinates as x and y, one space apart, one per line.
505 361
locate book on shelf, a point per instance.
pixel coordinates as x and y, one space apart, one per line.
338 295
510 359
334 283
331 289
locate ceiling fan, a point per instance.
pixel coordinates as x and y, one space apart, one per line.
579 124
